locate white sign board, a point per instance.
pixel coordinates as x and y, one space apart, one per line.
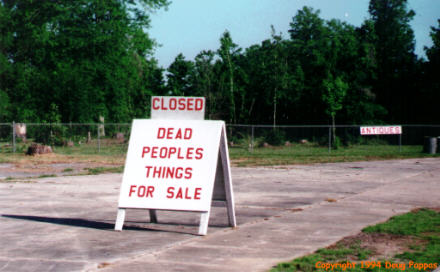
171 165
177 108
177 161
381 130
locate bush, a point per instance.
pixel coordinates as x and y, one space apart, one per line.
275 137
51 135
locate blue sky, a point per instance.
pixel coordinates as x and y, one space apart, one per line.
190 26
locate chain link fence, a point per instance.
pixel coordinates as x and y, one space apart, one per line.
97 138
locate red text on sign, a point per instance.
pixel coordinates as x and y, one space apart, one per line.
168 172
180 103
169 133
141 191
183 193
164 152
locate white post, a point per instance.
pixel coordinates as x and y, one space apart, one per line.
224 155
204 219
120 219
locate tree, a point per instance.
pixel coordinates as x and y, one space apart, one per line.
309 45
5 65
394 48
179 76
228 52
204 80
89 58
430 96
333 96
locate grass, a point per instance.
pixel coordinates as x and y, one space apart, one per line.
47 176
307 154
419 228
101 170
114 153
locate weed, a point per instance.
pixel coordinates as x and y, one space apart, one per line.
47 176
101 170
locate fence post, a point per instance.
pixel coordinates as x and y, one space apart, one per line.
252 138
400 142
13 136
329 139
99 140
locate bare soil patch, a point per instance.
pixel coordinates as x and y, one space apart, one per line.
381 245
51 164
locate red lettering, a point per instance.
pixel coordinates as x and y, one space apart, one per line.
189 153
181 102
154 152
156 171
145 150
150 191
170 133
148 170
132 189
161 133
179 134
163 152
179 172
179 194
170 172
189 104
163 106
197 193
199 104
170 192
188 173
199 153
173 104
188 133
141 191
167 172
186 194
172 151
155 105
178 154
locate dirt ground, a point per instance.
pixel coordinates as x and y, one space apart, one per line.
49 165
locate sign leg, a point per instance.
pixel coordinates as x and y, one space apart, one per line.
227 177
204 219
120 220
153 216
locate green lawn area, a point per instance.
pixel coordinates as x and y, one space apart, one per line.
309 153
417 235
111 151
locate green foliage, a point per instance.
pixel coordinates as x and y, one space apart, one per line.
275 137
93 58
179 77
415 223
102 170
90 58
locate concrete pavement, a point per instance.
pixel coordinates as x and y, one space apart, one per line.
66 223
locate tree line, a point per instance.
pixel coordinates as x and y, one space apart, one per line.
73 61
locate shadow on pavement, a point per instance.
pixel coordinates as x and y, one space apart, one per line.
74 222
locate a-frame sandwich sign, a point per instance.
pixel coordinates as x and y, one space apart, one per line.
177 161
